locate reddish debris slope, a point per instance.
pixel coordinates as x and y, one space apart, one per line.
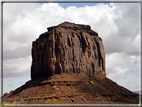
71 89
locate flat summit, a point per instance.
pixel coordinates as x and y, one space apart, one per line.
68 67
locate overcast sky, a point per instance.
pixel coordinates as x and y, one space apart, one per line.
118 24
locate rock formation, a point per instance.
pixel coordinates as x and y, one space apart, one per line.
68 48
61 58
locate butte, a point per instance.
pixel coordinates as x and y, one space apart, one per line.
68 67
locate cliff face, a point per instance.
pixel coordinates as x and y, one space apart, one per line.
68 48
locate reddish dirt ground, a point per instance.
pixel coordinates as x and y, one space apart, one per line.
71 89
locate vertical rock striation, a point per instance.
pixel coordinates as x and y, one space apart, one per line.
67 48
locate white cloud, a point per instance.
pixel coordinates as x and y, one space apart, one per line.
121 64
117 25
114 60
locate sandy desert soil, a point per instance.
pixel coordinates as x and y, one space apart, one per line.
71 89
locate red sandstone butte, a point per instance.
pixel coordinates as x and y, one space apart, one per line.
68 48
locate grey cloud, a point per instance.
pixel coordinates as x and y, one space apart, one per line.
23 51
113 45
135 53
16 74
128 23
16 67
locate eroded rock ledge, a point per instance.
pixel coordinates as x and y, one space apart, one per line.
68 48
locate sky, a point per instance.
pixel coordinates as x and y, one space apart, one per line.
118 24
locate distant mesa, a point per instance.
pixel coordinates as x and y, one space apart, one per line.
68 48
